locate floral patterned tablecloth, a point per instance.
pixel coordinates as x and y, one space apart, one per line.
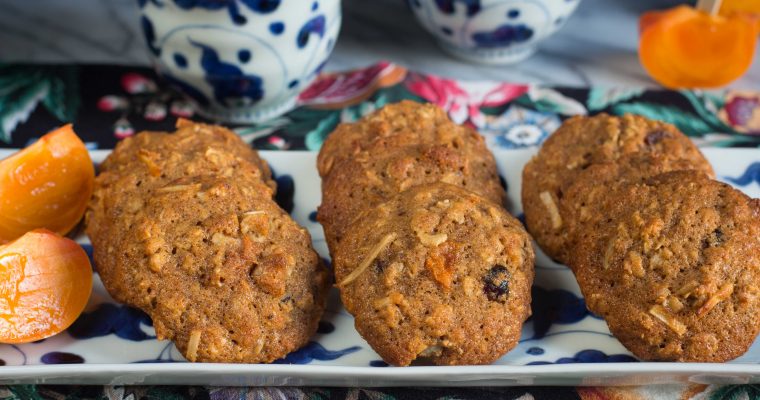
108 103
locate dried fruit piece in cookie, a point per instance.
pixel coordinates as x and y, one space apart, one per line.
436 273
673 268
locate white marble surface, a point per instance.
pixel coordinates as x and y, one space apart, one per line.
596 47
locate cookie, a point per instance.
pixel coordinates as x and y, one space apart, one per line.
671 264
436 273
194 210
154 154
147 161
365 181
578 144
221 270
405 123
583 200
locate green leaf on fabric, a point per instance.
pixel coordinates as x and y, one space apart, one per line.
688 122
551 101
22 392
16 106
707 105
62 99
24 87
304 120
317 136
736 392
253 132
375 395
600 98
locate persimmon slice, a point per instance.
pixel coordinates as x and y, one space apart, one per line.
46 185
45 282
686 48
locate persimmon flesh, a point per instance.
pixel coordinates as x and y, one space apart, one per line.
686 48
45 283
46 185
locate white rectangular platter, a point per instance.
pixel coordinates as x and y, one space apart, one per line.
562 344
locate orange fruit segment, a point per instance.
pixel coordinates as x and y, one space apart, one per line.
45 283
46 185
728 7
686 48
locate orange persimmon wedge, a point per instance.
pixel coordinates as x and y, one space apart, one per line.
729 7
686 48
46 185
45 283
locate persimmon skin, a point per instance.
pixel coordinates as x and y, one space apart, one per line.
686 48
45 283
46 185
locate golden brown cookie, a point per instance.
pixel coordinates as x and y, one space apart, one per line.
222 272
144 162
184 227
193 149
578 144
405 123
436 273
369 179
673 265
582 201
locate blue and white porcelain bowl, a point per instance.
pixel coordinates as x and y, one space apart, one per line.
492 31
241 61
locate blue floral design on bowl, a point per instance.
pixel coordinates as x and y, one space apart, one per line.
492 31
240 61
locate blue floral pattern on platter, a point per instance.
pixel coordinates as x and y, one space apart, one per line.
751 174
560 330
589 356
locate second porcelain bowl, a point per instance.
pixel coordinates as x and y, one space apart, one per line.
492 31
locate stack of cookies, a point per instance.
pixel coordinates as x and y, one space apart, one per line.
667 255
427 260
184 227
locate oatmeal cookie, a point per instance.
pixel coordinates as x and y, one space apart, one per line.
184 227
147 161
367 180
579 143
194 148
436 273
397 125
221 270
673 265
584 199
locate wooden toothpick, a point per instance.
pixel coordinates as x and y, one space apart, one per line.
709 6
